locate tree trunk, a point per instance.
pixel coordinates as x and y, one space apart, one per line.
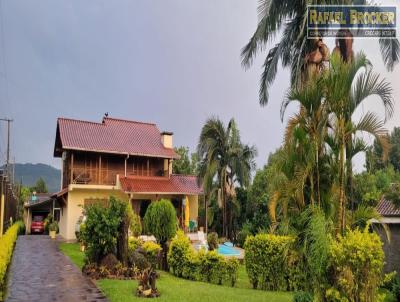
122 241
164 261
342 188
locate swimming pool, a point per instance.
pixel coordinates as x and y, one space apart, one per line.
227 250
223 249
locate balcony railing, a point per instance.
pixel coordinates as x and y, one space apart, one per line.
95 176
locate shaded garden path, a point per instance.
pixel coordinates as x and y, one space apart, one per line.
40 272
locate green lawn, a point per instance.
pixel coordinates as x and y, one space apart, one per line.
73 252
176 289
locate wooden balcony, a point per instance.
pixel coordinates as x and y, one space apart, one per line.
102 169
85 176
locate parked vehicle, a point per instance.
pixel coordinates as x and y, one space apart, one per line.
37 225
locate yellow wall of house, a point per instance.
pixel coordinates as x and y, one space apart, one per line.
74 208
75 200
63 223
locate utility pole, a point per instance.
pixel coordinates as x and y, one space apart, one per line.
8 142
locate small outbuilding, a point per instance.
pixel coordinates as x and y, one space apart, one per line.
391 246
41 204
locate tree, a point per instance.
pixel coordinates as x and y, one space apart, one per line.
345 88
294 49
224 161
123 210
375 159
40 186
185 164
394 154
160 220
323 135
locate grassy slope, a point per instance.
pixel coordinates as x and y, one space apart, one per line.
176 289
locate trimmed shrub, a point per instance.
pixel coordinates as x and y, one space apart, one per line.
356 262
7 242
232 266
192 266
180 251
266 260
160 221
212 240
211 269
186 263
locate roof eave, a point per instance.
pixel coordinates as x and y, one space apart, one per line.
121 153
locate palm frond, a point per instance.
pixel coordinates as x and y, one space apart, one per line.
390 50
369 83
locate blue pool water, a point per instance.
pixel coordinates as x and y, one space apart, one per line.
227 250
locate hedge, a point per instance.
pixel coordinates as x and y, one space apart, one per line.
355 262
211 267
7 242
270 263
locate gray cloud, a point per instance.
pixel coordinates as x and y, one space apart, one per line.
174 63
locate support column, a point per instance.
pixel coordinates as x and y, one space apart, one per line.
72 168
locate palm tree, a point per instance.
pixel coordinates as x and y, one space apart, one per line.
226 160
290 18
344 91
324 129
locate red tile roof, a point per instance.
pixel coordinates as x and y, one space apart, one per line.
111 136
387 208
176 184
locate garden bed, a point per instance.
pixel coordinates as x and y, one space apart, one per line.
176 289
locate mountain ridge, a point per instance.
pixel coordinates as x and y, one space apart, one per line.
29 173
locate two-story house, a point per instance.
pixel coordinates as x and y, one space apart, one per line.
126 159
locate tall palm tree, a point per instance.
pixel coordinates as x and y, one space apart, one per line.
226 160
344 90
290 18
324 128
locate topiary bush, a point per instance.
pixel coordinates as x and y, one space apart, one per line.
160 221
212 240
7 242
355 262
266 259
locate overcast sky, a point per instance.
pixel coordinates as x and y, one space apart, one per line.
174 63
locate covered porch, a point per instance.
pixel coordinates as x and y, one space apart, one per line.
183 191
